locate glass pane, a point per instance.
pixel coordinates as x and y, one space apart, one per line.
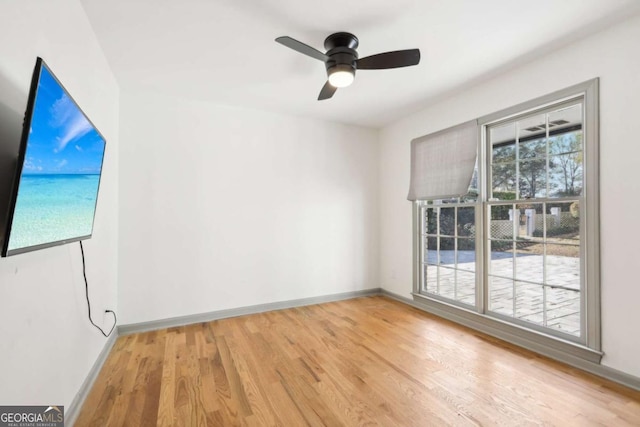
501 258
430 250
563 310
563 223
503 160
447 282
563 266
503 181
502 218
430 255
467 254
532 127
565 149
431 221
565 174
530 221
447 221
530 262
501 295
529 302
533 149
570 142
533 178
503 143
431 278
566 119
504 153
472 194
466 284
447 251
466 221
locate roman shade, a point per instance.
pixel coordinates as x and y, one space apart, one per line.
442 163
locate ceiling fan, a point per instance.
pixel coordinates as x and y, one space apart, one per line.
341 59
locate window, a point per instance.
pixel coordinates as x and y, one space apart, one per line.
521 247
535 192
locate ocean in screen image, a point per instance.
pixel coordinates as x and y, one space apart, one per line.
51 208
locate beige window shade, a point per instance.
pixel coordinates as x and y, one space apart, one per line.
442 163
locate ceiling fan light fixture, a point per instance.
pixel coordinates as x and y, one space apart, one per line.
341 75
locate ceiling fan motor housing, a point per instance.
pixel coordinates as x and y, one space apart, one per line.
341 50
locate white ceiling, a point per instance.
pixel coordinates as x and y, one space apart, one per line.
223 51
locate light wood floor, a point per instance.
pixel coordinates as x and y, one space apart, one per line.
367 361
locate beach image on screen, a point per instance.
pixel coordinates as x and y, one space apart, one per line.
61 171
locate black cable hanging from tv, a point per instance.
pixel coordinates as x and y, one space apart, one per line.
86 285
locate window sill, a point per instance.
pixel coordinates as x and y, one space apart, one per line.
547 345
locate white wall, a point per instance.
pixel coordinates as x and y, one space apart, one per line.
611 55
225 207
47 345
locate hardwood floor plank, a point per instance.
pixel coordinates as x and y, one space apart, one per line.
366 361
166 411
251 384
314 410
286 412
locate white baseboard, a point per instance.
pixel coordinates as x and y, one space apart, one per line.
133 328
71 413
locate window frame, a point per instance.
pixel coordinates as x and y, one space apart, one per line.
540 339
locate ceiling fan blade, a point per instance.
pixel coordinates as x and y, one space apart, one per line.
302 48
395 59
327 91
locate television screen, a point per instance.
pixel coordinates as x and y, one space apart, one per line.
58 173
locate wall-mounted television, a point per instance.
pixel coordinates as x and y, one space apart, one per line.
59 165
